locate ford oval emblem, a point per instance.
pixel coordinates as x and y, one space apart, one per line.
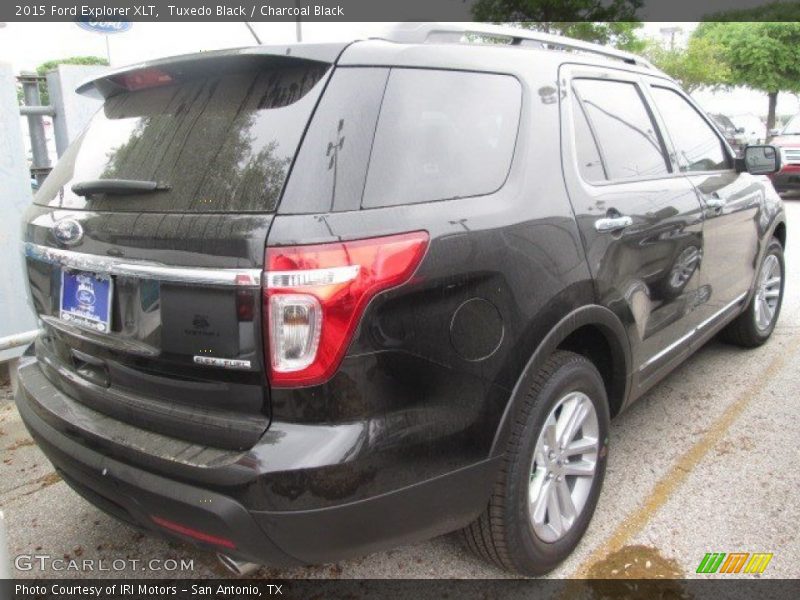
85 297
68 232
105 27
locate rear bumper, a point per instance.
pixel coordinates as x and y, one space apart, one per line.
136 496
202 503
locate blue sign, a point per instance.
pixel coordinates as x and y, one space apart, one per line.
105 26
86 300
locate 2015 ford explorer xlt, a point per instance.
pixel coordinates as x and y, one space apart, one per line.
306 302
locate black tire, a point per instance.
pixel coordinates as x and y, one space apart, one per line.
503 534
743 330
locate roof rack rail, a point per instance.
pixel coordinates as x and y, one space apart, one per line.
421 33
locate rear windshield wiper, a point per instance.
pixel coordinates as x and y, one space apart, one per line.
119 187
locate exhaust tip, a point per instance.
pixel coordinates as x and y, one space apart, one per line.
237 567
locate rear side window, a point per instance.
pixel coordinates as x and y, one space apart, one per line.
331 167
222 143
442 135
699 148
626 133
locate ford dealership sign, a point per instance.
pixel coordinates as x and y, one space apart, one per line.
105 26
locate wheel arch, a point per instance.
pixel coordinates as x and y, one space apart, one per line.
779 232
592 331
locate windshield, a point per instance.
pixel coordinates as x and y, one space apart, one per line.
222 143
793 126
724 123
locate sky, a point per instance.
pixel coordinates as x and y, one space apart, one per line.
26 45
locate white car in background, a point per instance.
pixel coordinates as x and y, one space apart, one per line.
755 130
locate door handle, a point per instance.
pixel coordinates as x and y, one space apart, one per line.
607 224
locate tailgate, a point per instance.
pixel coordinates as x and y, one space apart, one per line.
151 296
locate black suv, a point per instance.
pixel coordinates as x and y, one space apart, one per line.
306 302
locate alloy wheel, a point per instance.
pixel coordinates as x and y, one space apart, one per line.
768 292
564 466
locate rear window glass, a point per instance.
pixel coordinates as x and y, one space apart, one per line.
222 143
442 135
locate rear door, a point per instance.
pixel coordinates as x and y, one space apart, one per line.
640 220
151 297
730 200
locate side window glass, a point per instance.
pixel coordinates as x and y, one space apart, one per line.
625 130
699 148
331 167
590 164
442 135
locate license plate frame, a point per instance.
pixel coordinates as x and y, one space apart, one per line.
88 299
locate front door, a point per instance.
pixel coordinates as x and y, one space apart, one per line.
640 219
730 200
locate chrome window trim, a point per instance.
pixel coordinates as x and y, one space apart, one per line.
125 267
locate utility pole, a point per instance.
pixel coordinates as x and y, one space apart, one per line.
671 31
30 88
298 27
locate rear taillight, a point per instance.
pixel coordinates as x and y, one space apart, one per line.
314 297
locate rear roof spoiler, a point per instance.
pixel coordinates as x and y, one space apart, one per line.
108 85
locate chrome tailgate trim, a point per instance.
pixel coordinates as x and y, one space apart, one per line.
142 269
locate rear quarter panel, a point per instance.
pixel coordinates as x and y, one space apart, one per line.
430 369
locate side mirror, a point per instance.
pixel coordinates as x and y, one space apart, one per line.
774 132
761 160
739 130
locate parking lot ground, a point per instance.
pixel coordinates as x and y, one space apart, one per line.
705 462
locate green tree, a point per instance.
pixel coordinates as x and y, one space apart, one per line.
774 11
763 56
48 66
612 23
700 64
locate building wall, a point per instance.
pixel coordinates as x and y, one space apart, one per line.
16 315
